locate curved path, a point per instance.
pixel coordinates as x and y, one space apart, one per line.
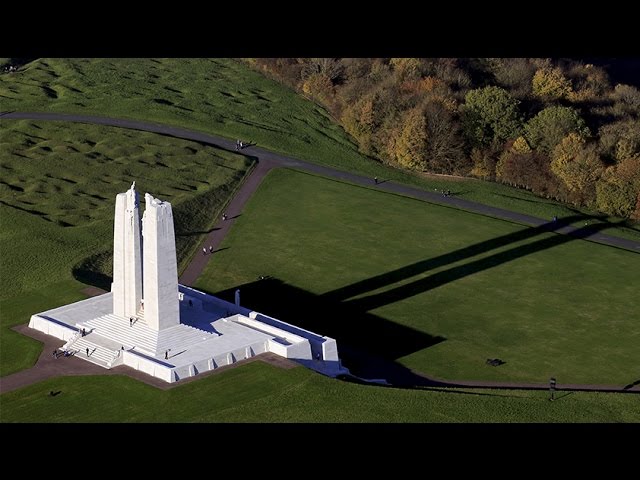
266 161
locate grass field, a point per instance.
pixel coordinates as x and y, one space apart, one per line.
444 289
57 193
225 97
259 392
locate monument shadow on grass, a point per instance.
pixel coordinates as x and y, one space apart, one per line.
368 344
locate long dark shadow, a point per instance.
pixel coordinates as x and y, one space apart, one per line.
422 266
456 273
357 329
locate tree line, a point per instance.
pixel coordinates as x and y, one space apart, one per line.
559 128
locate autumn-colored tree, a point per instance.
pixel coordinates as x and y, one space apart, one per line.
360 120
618 190
520 145
590 83
406 68
551 125
490 115
412 143
620 140
514 74
330 68
431 84
550 83
484 164
449 71
319 87
627 95
528 170
578 166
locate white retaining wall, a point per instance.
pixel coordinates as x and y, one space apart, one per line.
217 361
147 365
58 330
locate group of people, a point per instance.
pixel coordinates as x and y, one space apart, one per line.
239 145
57 353
224 219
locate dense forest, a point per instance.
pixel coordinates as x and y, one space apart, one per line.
559 128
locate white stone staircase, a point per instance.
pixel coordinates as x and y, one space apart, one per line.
118 329
98 354
141 337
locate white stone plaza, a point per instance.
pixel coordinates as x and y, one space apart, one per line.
170 331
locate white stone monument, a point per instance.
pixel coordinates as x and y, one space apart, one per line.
127 255
145 276
161 307
147 313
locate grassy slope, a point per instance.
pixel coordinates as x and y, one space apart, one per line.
262 393
546 304
225 97
56 208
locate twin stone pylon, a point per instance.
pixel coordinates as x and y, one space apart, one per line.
145 274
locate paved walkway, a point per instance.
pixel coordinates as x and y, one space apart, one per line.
48 367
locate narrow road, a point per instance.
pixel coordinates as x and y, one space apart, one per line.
47 367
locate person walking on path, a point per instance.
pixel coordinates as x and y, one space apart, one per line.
204 251
87 351
375 179
210 248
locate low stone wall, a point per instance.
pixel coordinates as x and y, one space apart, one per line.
148 365
52 327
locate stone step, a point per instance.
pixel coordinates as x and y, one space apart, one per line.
118 330
98 354
140 336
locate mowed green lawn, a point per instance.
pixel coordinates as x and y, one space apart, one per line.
57 194
395 275
259 392
226 97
